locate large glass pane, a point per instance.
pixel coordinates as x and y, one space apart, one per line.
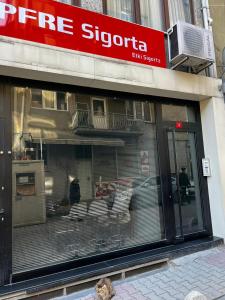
78 195
185 182
152 13
175 113
122 9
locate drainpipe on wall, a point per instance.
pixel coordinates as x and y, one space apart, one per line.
207 22
205 13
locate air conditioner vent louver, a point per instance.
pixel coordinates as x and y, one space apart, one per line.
193 42
190 46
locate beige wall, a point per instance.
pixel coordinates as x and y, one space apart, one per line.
217 12
213 126
45 63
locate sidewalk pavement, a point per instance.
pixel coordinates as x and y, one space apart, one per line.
202 271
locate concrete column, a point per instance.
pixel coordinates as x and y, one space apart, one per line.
213 126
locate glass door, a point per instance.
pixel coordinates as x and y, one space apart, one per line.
184 182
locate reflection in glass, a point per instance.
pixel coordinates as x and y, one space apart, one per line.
61 99
48 98
122 9
185 182
171 112
36 98
85 187
179 10
152 14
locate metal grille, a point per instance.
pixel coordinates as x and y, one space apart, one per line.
193 41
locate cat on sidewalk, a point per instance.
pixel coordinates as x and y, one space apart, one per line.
104 289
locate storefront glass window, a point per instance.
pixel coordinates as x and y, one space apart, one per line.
140 110
84 183
175 113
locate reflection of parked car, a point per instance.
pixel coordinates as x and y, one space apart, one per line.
146 192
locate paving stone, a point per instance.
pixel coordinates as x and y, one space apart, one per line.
166 296
203 271
122 295
117 298
143 289
130 289
180 296
154 297
171 291
127 297
139 296
158 291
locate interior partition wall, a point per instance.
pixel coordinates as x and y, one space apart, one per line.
99 174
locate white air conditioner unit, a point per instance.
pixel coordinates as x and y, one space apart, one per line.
190 46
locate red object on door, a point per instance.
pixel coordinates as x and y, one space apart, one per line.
179 125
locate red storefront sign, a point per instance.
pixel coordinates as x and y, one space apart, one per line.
57 24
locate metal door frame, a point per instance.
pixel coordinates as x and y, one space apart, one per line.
169 216
5 185
173 131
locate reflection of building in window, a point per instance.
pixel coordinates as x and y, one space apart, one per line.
140 110
49 99
35 151
98 106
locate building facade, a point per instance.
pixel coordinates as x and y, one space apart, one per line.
101 156
217 9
